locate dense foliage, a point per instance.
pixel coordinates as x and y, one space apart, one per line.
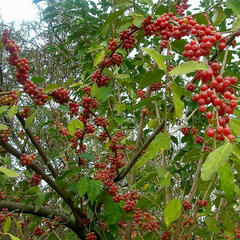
121 120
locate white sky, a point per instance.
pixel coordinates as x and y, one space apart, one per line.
24 10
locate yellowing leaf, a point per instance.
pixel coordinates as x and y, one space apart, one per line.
172 211
99 57
12 111
74 125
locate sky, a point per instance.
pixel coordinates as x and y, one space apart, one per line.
24 10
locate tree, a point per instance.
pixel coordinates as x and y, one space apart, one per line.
134 132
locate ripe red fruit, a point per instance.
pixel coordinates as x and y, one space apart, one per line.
226 131
202 108
209 115
230 137
210 132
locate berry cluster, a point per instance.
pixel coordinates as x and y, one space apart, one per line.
91 236
202 203
22 66
101 122
61 95
73 108
181 6
4 135
61 129
114 60
35 180
187 205
10 99
2 195
25 113
38 231
127 39
112 44
99 79
4 215
27 159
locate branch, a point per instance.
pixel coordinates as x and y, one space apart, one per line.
138 154
63 194
38 147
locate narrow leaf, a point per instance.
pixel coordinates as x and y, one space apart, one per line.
7 225
9 172
178 103
215 160
188 67
12 111
156 57
29 120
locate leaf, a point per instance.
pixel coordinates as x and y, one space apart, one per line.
50 87
3 108
156 57
161 142
236 24
179 45
234 6
137 19
19 228
30 120
113 212
9 172
188 67
110 19
36 80
151 77
99 57
200 19
7 225
88 156
12 237
74 125
94 190
12 111
235 126
3 127
215 160
236 151
192 155
218 16
212 225
178 103
120 107
83 186
227 180
172 211
39 201
95 48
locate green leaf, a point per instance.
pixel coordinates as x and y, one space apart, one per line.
19 228
218 16
99 57
30 120
137 19
102 93
161 142
215 160
151 77
191 155
110 19
3 127
50 87
236 151
3 108
88 156
120 107
179 45
227 180
178 103
113 212
236 24
7 225
12 111
12 237
212 225
188 67
172 211
39 201
156 57
36 80
200 19
95 48
74 125
83 186
235 126
9 172
234 6
94 190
